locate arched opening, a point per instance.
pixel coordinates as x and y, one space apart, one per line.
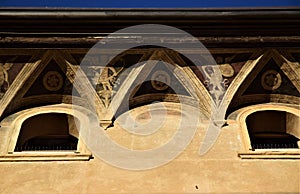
271 129
47 132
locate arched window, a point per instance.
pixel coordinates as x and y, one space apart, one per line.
50 131
271 129
268 130
44 133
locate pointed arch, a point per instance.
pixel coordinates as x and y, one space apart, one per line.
16 94
183 74
251 70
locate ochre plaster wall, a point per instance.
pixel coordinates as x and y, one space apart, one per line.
220 170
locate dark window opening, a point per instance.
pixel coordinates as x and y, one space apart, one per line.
50 142
273 141
47 132
270 130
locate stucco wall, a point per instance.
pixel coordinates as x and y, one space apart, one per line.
220 170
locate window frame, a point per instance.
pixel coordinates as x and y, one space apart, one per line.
246 151
11 127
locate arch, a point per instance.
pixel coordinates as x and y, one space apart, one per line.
275 134
184 75
11 127
48 131
236 96
29 76
115 45
287 116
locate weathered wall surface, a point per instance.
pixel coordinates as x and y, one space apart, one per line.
220 170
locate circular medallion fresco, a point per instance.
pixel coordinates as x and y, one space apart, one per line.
227 70
271 80
53 81
160 80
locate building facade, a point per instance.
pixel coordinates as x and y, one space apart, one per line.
196 101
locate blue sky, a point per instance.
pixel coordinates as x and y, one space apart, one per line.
148 3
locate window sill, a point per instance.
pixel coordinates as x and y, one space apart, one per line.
271 154
44 156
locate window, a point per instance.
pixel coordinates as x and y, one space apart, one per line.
44 133
269 130
47 132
